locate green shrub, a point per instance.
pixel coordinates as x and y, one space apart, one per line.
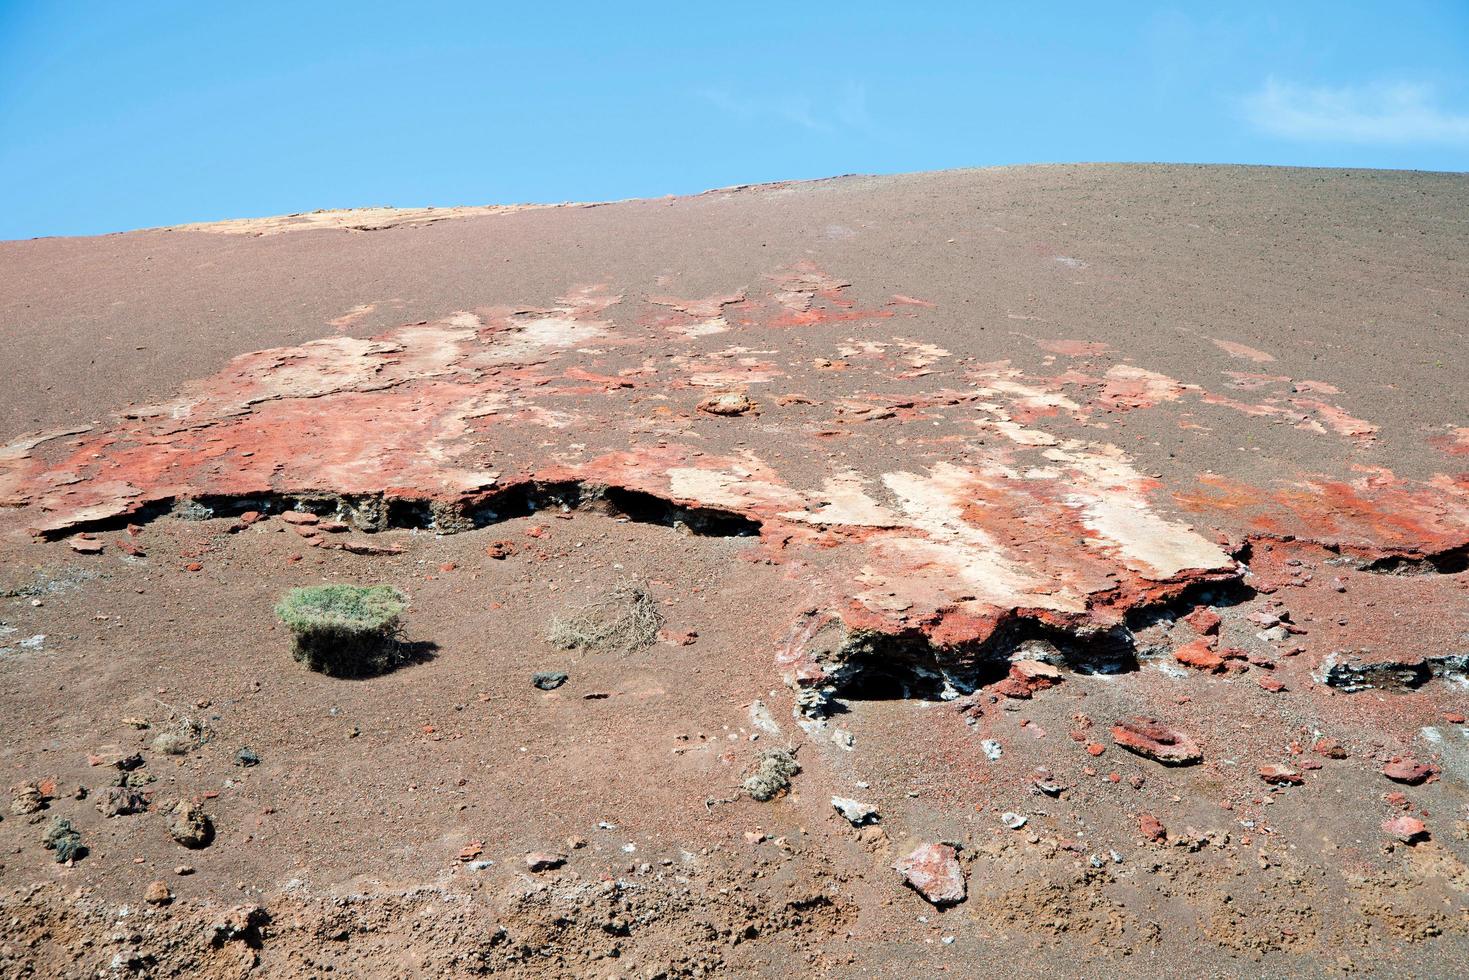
344 630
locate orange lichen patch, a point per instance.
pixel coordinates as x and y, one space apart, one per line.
1234 349
1074 348
1380 515
808 296
1127 387
1210 398
1455 443
351 318
1337 419
1246 381
692 318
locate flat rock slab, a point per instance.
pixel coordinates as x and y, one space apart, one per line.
933 870
1151 738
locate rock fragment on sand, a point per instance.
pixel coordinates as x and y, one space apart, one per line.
855 813
1151 827
189 825
727 403
26 799
548 680
933 871
64 840
1204 621
1406 829
1278 775
1407 771
120 801
1151 738
1200 655
544 860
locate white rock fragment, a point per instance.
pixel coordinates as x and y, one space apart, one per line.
856 813
761 718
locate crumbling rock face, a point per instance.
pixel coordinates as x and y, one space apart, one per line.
1351 671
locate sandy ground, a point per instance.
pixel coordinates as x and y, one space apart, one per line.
1034 414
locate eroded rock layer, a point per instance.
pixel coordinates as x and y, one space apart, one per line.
926 490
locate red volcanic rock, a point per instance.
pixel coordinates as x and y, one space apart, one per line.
1405 828
1027 677
85 544
1281 775
1199 655
1011 688
1151 738
1270 684
1035 673
1407 771
299 518
1204 620
933 871
1330 748
1151 827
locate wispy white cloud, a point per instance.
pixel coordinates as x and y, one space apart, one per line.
844 110
1402 113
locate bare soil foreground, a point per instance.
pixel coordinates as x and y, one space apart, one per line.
1041 571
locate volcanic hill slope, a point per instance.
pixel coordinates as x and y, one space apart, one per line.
1094 538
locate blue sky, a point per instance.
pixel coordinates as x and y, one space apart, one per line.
125 115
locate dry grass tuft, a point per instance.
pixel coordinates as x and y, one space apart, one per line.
624 620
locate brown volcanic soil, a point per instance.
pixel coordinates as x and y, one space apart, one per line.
1301 340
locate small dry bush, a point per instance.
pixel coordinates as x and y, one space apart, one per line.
624 620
